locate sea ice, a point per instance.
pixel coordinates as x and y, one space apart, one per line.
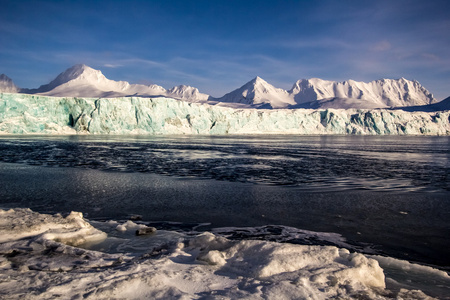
37 264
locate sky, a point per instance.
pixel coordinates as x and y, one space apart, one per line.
217 46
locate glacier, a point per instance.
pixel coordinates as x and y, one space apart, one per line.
36 114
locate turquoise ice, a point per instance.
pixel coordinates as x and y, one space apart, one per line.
33 114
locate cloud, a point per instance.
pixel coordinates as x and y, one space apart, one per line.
308 43
431 56
381 46
112 65
130 61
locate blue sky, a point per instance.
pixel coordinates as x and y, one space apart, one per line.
218 46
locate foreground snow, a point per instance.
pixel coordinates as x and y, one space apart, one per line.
30 114
37 262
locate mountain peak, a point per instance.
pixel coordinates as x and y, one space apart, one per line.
256 83
76 71
3 77
258 80
258 92
79 72
186 92
78 67
7 85
83 81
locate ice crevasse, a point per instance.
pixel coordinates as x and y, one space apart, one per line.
32 114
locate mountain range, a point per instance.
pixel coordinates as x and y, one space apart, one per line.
83 81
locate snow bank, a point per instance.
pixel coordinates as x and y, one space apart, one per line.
202 266
23 223
28 114
324 265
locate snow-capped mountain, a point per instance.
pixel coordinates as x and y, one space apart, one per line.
187 93
317 93
258 92
7 85
83 81
378 93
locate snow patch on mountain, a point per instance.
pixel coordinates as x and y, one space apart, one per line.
7 85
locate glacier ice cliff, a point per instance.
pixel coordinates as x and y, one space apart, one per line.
33 114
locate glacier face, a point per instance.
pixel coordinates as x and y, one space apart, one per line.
33 114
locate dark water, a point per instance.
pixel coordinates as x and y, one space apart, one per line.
388 195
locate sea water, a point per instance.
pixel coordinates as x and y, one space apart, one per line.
383 195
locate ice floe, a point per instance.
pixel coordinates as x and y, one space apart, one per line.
39 260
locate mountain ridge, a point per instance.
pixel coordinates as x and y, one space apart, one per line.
319 93
385 92
257 92
83 81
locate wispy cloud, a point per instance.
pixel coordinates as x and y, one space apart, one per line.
431 57
381 46
308 43
113 66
